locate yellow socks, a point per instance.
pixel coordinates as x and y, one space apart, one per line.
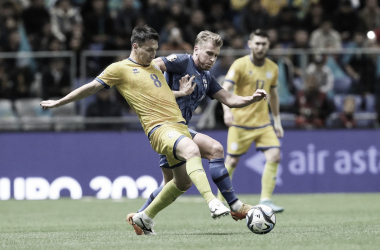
166 197
268 180
231 171
198 176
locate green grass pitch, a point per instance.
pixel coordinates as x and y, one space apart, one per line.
318 221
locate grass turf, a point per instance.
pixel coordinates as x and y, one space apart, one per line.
318 221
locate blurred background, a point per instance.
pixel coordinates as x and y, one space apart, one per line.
49 47
327 52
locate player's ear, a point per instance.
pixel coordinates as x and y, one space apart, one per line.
196 50
135 46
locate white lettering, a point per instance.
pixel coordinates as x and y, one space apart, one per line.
65 182
297 165
372 154
357 158
321 161
124 182
343 163
103 185
37 188
311 158
19 188
148 183
5 189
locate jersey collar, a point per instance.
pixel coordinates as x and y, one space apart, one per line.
136 62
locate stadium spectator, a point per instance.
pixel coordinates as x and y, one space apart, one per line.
274 7
156 14
5 87
56 80
321 74
63 17
254 17
286 23
301 41
325 36
35 17
46 36
178 13
346 21
218 17
176 42
197 24
222 65
346 118
103 106
371 14
312 105
313 18
21 79
126 19
99 25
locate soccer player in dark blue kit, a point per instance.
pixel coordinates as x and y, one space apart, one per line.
177 70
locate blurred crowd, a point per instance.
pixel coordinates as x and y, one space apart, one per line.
331 82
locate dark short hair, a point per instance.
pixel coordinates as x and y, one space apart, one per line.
141 34
259 32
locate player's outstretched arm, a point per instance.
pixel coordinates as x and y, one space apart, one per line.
77 94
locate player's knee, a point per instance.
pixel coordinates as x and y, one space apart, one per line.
232 161
192 151
183 185
217 150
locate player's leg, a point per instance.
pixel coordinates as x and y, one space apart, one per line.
268 142
213 151
268 179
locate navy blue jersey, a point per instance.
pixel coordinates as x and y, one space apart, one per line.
179 65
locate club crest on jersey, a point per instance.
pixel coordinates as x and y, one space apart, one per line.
234 146
269 75
205 83
171 134
171 58
135 71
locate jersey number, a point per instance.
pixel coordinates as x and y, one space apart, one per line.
155 80
260 84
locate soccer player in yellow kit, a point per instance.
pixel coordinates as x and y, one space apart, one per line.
145 89
252 123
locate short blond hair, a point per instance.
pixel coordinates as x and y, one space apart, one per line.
206 35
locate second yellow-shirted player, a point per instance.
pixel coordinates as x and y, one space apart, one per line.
252 123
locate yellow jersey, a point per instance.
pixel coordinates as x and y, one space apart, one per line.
248 77
146 91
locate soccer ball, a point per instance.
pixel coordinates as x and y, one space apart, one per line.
261 219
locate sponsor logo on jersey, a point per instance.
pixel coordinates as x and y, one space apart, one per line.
269 75
135 71
171 58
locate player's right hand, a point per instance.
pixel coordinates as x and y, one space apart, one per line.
228 118
49 104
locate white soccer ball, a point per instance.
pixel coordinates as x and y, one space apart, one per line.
261 219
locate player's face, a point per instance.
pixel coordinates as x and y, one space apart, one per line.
146 52
259 46
206 55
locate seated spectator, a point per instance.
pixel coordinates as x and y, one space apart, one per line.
178 13
63 17
324 36
104 106
322 74
312 105
176 42
21 79
314 18
253 17
286 23
5 86
126 19
346 21
222 65
156 13
273 7
301 41
346 118
196 25
35 17
56 80
371 15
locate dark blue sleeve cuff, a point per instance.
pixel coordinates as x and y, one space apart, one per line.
103 83
230 81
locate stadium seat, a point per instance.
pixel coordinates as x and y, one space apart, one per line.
8 121
32 116
66 118
339 102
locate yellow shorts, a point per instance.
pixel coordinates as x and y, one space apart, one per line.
240 139
165 139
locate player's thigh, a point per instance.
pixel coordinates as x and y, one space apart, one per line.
186 149
181 178
267 139
239 140
208 147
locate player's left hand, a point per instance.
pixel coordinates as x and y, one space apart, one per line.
49 104
279 130
187 85
259 95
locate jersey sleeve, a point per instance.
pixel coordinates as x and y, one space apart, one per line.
233 73
214 87
110 76
176 63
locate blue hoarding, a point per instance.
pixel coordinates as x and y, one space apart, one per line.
114 164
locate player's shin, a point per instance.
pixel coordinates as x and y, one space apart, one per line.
230 171
198 176
152 196
166 197
221 178
268 180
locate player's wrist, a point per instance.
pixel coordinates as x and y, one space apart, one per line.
277 120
